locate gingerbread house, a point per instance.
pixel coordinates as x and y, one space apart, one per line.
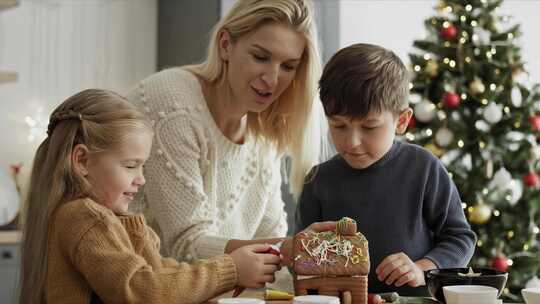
334 263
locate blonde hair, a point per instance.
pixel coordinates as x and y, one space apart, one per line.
101 120
294 123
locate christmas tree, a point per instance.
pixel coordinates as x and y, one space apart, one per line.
475 109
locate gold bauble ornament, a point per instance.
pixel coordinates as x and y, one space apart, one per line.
432 68
434 149
480 214
477 87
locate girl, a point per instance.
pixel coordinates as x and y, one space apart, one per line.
81 246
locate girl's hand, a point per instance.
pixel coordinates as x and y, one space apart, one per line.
253 266
398 269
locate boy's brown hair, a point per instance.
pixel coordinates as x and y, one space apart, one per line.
364 78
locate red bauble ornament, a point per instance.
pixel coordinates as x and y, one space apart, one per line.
531 179
534 120
500 263
449 32
412 123
451 100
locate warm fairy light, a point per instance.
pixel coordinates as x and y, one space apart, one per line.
417 68
427 56
462 39
463 96
474 23
446 24
493 87
496 213
479 243
525 248
429 132
463 18
433 21
464 205
484 101
411 85
460 143
446 60
468 7
510 35
488 55
510 262
506 110
448 9
517 124
508 198
468 59
510 234
409 136
536 230
497 71
482 145
447 44
485 191
452 63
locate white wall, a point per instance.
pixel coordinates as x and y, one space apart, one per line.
394 24
59 47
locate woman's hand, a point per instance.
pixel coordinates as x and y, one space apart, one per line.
253 266
398 269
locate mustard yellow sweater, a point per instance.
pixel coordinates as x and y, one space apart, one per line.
92 250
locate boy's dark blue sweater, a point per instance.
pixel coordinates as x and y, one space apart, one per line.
405 202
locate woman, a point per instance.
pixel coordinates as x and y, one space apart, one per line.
221 128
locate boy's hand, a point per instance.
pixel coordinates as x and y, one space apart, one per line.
287 245
254 267
398 269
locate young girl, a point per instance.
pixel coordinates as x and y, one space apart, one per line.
81 246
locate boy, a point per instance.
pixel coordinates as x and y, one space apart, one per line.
399 194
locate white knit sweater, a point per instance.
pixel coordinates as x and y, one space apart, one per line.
202 189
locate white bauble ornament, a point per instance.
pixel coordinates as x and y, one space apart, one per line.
516 188
444 137
492 113
517 98
9 198
481 125
424 111
534 282
415 98
536 152
501 179
481 36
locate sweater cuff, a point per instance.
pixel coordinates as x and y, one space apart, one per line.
210 246
226 275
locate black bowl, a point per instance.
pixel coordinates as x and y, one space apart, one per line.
437 278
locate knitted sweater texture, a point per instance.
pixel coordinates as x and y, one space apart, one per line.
202 189
92 250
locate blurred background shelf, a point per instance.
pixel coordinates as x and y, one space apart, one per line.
5 4
6 77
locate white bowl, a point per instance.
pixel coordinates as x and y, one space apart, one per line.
315 299
470 294
240 301
531 295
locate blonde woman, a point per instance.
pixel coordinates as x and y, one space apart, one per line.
223 126
79 243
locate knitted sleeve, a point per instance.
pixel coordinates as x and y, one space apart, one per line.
106 260
453 237
274 221
174 188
